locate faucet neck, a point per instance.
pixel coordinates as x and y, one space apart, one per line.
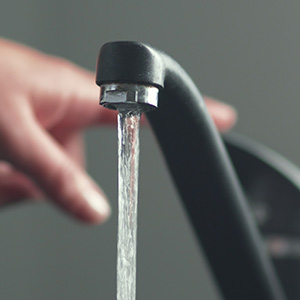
201 169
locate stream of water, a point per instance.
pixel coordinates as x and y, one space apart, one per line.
128 152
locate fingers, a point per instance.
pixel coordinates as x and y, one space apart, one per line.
58 89
223 115
84 109
63 181
15 186
68 95
72 143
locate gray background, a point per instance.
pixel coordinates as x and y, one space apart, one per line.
244 52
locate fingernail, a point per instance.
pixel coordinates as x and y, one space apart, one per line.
97 202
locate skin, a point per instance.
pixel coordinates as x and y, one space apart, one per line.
46 103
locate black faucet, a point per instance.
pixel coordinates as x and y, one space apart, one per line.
128 72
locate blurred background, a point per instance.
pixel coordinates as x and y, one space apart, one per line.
243 52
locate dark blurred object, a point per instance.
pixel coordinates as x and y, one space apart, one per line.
272 185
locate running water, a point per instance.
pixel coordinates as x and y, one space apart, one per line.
128 152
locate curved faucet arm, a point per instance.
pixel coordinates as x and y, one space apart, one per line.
201 169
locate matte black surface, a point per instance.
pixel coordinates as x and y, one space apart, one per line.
273 184
204 177
129 62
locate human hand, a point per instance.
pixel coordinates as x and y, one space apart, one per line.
46 102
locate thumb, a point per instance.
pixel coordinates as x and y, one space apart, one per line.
38 155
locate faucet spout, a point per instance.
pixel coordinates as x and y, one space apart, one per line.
200 166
